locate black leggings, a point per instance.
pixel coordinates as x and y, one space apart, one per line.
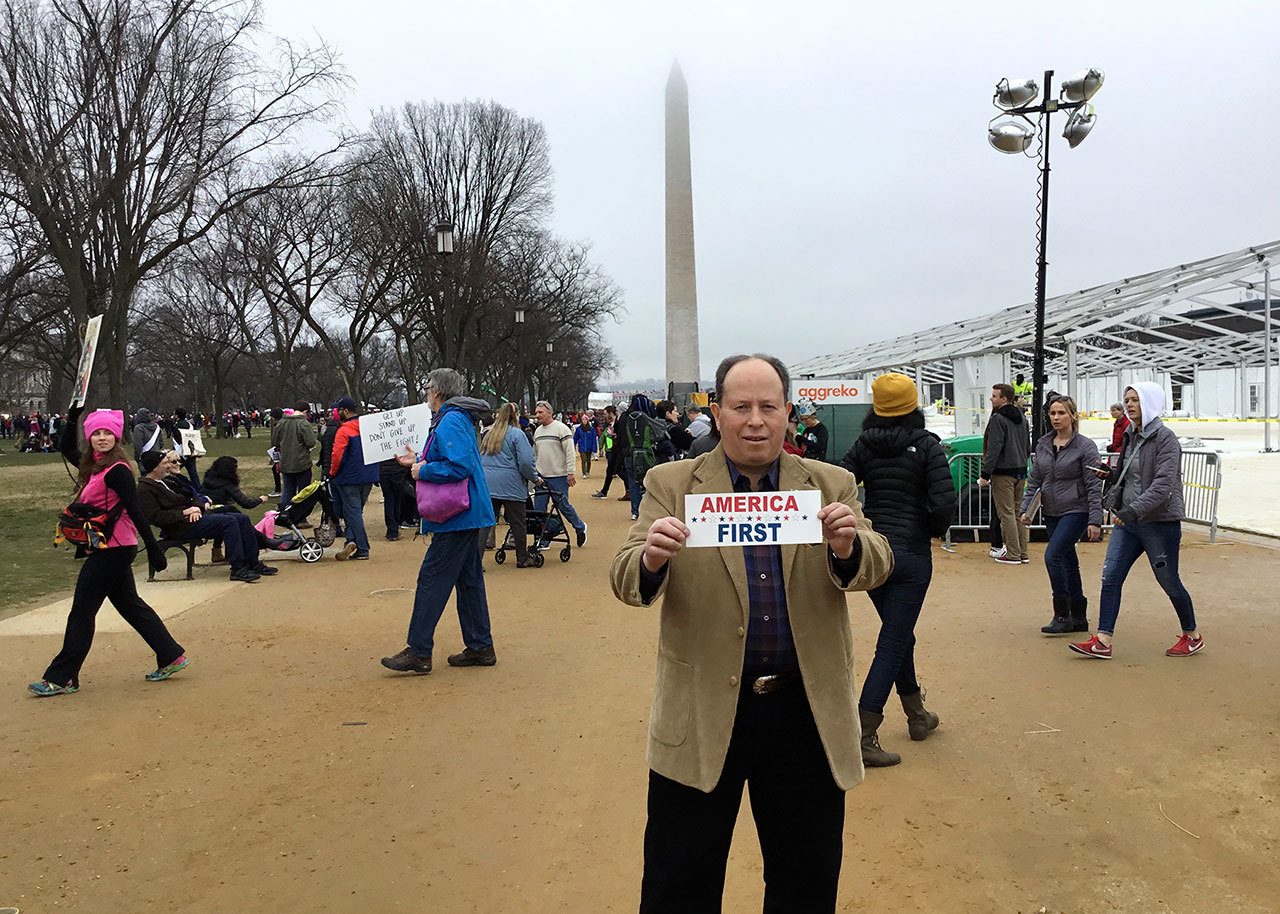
108 575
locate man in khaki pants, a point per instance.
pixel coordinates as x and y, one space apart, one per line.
1005 449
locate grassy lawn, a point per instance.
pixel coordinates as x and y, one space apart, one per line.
34 488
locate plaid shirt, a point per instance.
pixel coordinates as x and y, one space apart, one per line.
770 648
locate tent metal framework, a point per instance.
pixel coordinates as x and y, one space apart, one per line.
1208 314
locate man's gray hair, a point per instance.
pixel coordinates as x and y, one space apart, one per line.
775 363
447 382
551 409
1117 406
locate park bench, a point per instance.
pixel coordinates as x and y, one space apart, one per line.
188 547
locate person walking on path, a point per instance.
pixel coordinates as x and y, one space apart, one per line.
815 435
613 456
146 434
106 481
352 480
296 438
553 445
453 559
1005 446
182 424
1062 474
638 440
1144 496
507 458
587 441
1118 427
755 677
910 500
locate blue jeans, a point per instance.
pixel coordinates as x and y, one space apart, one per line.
453 560
1160 541
898 602
1060 558
291 484
352 499
560 486
236 531
635 488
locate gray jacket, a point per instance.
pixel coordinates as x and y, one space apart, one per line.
1006 443
1152 488
1064 480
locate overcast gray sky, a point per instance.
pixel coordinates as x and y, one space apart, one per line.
843 189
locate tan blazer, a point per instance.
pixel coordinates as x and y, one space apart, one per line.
704 616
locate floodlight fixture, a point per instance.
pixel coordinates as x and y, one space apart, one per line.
520 310
444 238
1083 86
1010 136
1082 120
1015 94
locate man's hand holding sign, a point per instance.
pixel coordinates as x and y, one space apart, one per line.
754 663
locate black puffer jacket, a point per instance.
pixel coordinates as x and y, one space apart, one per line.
909 495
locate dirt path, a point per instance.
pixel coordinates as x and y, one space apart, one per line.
285 772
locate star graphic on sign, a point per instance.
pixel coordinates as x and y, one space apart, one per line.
804 517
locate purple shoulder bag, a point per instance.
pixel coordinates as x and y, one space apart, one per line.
439 502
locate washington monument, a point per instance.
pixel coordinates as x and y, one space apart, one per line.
682 287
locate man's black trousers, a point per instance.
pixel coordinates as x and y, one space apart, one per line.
799 812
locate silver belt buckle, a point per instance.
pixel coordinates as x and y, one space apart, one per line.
764 684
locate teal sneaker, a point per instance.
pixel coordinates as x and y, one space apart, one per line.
44 688
166 671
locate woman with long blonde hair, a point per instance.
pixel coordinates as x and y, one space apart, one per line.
507 458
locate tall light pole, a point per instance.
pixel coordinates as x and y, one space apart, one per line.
1013 132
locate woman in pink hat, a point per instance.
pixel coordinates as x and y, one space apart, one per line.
106 480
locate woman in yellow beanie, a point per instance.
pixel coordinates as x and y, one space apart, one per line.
909 499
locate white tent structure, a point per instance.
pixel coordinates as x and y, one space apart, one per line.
1202 330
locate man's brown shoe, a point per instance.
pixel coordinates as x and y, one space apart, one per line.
407 662
468 657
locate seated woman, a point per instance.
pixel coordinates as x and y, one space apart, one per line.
222 486
168 502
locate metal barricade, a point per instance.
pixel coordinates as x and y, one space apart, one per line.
975 512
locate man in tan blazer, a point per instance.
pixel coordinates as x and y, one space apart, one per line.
755 662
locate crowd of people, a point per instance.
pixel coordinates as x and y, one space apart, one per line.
774 628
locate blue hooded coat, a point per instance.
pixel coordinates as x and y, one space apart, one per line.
454 454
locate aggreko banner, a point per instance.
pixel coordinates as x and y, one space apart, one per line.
832 392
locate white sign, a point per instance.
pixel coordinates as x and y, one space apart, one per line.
599 399
828 392
389 434
87 352
753 518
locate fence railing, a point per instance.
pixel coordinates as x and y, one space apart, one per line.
975 512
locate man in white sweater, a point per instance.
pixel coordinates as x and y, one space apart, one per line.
553 452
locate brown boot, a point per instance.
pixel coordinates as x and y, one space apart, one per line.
216 557
872 755
920 721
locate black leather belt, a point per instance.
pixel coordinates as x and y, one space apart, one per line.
765 685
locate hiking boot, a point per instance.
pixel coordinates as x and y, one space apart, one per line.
1079 614
168 670
46 689
1061 624
1186 646
920 720
346 552
468 657
582 537
407 662
246 575
216 557
872 755
1092 648
264 569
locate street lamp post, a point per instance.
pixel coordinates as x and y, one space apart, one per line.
1013 132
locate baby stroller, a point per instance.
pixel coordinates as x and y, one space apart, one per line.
310 548
546 527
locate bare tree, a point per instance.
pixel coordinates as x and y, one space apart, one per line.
128 129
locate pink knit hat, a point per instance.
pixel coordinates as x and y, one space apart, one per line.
110 419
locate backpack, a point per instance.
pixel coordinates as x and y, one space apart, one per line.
87 526
640 443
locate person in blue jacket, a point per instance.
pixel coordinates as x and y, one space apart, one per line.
352 479
453 559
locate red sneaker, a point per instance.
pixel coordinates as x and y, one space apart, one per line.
1092 648
1186 646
